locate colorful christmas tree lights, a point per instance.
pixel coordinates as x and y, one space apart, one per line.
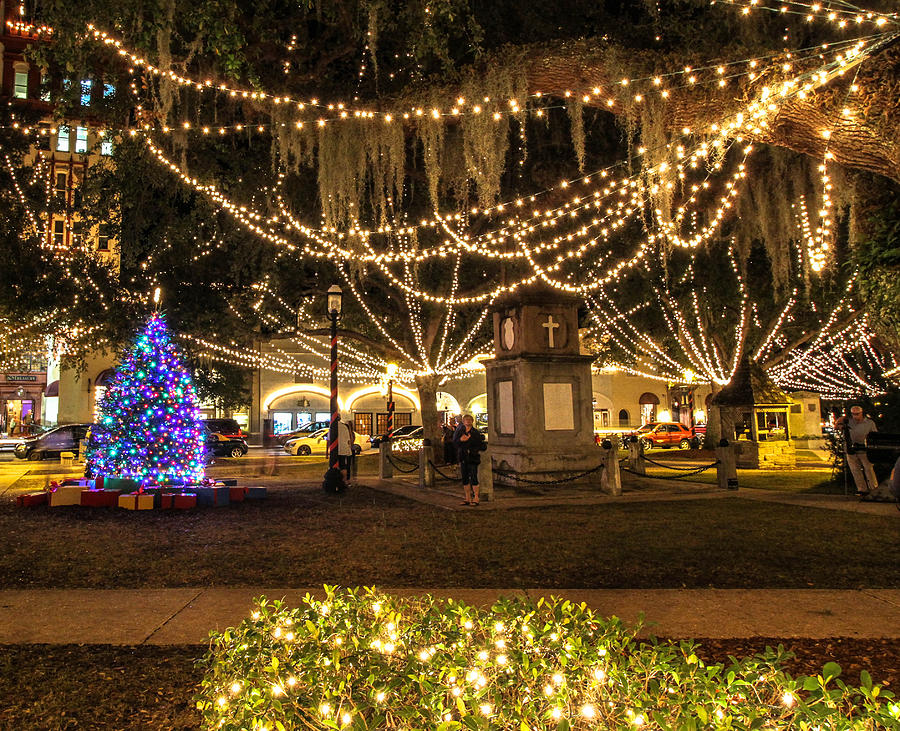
149 428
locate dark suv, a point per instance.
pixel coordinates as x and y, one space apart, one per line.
53 443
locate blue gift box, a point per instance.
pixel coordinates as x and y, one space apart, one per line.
211 496
254 493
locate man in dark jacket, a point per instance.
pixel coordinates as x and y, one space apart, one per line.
470 443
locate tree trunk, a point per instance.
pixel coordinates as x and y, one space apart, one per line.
713 422
431 422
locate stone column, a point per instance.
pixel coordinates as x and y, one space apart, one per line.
385 468
636 457
726 471
611 479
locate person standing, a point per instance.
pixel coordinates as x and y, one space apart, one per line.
345 446
856 429
470 443
447 443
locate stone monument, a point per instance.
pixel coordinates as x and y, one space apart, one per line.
539 387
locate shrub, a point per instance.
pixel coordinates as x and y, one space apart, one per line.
364 660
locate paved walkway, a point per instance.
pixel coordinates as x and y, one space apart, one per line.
185 616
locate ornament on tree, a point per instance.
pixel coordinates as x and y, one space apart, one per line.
148 426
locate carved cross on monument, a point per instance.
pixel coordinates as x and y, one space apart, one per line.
551 326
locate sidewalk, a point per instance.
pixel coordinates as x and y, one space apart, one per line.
185 616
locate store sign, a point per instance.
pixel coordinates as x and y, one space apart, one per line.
11 378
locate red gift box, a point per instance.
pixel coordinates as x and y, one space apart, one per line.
100 498
237 494
185 501
32 499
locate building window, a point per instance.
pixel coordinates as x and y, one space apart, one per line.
624 418
62 139
20 88
62 184
103 237
59 233
106 146
77 232
86 85
45 88
81 141
108 90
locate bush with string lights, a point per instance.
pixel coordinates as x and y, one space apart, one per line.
359 659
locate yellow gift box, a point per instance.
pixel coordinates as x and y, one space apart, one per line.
66 495
136 501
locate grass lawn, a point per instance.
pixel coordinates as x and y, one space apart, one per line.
149 688
301 537
805 480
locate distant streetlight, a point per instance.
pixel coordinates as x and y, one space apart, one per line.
335 300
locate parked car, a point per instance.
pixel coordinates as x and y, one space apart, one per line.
226 427
666 434
225 446
317 443
52 443
302 431
401 431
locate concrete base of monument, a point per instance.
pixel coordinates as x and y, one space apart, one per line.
544 466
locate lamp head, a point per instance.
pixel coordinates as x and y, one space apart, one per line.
335 297
391 369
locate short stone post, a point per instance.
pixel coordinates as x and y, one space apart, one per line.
611 478
385 468
486 477
636 456
426 460
726 470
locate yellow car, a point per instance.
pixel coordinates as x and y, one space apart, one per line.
317 443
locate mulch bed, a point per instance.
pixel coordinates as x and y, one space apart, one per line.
109 687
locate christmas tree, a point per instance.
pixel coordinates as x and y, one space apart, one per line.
148 427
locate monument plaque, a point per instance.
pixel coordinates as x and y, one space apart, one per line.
559 413
507 423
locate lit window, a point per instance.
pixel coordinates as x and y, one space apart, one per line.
86 85
62 139
45 88
106 147
59 233
108 90
103 237
81 141
20 90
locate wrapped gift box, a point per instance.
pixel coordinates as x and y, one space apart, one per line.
236 494
254 493
31 499
80 481
100 498
136 501
185 501
66 495
122 484
211 496
227 481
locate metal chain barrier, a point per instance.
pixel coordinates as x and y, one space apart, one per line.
670 467
518 478
414 468
694 471
453 478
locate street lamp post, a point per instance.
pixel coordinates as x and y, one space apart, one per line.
334 312
391 372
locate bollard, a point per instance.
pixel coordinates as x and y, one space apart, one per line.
385 468
611 478
726 471
426 471
636 456
486 477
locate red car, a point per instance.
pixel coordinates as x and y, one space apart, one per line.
666 434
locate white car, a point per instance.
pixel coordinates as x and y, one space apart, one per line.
317 443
